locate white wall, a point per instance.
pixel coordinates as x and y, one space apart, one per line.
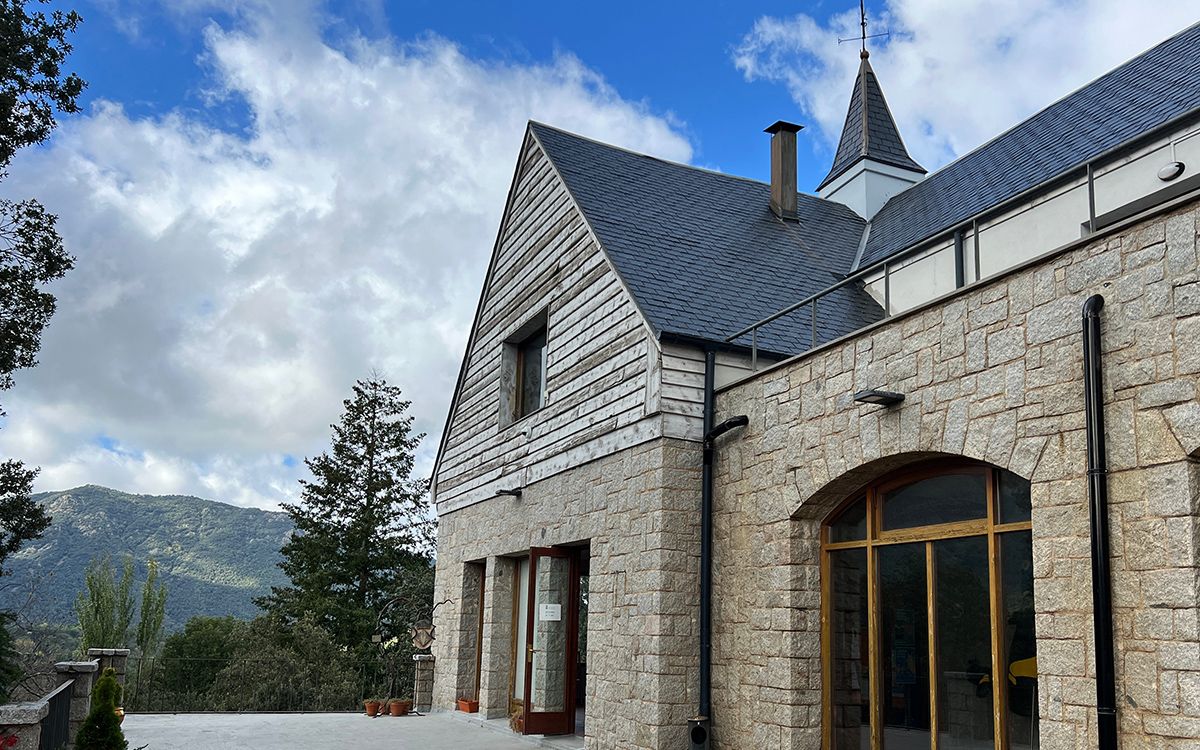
1040 225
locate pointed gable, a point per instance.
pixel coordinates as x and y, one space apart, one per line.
702 253
870 132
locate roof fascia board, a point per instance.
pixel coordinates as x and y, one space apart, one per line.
596 239
487 277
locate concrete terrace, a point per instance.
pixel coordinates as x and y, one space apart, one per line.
438 731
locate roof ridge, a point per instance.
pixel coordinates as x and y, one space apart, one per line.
670 162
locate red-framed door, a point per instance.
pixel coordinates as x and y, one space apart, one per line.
550 641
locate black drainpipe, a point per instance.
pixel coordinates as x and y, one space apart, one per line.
699 730
1097 472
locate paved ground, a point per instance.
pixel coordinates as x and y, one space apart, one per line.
439 731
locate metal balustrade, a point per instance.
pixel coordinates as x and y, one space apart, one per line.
56 724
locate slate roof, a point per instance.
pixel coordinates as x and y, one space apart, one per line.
702 252
704 256
869 132
1149 90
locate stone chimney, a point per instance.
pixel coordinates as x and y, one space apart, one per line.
783 168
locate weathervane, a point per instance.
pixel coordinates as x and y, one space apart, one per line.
862 14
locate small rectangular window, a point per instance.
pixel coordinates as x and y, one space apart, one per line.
531 373
523 370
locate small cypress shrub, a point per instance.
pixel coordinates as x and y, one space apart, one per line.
101 729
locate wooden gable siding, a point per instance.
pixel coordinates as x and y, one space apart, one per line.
600 354
682 390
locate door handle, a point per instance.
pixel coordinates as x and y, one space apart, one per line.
529 649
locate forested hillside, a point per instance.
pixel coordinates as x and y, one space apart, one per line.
215 558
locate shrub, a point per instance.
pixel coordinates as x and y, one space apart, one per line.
101 729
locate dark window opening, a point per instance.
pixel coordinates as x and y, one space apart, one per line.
531 373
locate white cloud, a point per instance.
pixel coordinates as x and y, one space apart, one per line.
230 287
956 73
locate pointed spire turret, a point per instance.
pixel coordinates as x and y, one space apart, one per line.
870 131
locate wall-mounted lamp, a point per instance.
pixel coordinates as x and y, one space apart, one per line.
1171 170
514 492
878 398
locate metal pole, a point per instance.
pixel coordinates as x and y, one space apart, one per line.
1097 474
887 292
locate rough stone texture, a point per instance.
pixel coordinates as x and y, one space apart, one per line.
116 658
423 682
468 629
637 512
1006 390
83 673
24 721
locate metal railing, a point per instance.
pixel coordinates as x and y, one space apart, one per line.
957 235
280 685
56 724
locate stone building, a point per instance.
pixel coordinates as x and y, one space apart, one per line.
907 546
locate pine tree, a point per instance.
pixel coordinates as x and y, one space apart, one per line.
101 729
362 524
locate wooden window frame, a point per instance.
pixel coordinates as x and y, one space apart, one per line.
876 537
512 369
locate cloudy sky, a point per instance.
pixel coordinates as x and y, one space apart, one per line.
271 198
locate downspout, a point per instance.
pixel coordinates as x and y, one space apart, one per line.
699 729
1097 473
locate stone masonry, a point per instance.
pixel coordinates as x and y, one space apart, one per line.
994 374
636 510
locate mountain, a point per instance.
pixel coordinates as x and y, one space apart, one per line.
215 558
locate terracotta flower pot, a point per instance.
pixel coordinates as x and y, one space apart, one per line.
399 707
372 707
466 705
120 712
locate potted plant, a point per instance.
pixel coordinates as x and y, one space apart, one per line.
399 706
372 705
468 705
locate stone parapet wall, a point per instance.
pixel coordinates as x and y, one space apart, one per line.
637 511
993 374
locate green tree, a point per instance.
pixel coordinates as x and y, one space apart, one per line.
10 670
33 87
362 524
286 666
152 612
105 607
189 663
101 729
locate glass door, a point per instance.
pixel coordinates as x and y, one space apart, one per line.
550 641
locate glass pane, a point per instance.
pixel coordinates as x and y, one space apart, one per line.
851 525
904 643
1014 498
940 499
548 678
1016 585
520 626
964 644
849 650
533 362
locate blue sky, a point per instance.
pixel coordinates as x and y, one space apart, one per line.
679 63
268 199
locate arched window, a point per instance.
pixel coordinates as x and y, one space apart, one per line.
927 594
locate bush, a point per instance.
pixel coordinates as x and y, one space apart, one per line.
280 667
101 729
